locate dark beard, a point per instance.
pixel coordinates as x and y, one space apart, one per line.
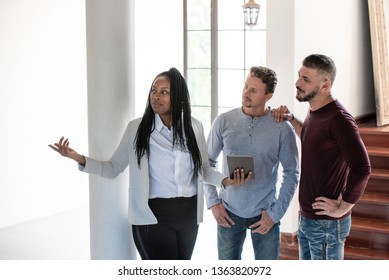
308 97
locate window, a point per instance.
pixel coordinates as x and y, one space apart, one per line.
219 49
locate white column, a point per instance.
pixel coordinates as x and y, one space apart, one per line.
280 56
109 28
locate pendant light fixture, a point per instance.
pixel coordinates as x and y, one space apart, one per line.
251 12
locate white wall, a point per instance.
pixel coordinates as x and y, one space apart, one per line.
339 29
158 44
43 96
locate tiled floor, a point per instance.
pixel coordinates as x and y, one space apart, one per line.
66 237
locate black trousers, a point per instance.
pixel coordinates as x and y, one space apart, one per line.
174 237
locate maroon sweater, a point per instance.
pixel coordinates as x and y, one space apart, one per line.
334 158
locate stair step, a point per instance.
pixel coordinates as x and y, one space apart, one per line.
380 173
290 252
372 207
378 182
361 253
374 136
367 239
379 157
378 151
369 126
370 225
373 198
369 233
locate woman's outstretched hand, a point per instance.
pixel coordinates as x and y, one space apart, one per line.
62 147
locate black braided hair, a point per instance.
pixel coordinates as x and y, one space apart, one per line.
181 121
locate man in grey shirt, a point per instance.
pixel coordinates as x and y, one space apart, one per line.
252 131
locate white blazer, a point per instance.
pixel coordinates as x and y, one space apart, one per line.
139 212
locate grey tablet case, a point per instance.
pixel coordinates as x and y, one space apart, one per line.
240 161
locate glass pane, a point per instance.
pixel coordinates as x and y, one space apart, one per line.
199 49
199 85
231 84
230 15
199 14
231 49
255 48
238 47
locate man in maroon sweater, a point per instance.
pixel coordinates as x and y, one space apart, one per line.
335 166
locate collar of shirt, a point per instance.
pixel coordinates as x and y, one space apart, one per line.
161 128
158 123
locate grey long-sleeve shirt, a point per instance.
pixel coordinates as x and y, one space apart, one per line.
271 144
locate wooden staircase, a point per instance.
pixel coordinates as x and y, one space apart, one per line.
369 235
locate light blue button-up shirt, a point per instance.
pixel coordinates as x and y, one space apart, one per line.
170 169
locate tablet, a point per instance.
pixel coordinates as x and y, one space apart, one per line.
239 161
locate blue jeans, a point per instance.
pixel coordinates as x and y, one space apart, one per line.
322 239
230 240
